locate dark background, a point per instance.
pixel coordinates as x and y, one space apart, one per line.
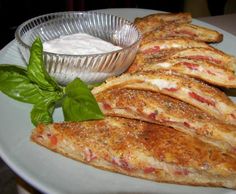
14 12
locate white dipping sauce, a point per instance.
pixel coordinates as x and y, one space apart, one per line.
78 44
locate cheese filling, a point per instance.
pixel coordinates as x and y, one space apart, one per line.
163 84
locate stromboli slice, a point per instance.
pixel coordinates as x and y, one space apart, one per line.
204 70
161 109
142 59
140 149
154 21
212 55
187 30
192 91
176 43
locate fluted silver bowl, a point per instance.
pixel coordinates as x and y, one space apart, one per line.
90 68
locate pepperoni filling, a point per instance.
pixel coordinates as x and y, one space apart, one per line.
89 155
231 77
152 50
190 65
171 89
195 67
148 170
52 139
205 58
181 172
106 106
210 72
186 124
121 163
153 115
201 99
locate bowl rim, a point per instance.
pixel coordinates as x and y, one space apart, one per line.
22 43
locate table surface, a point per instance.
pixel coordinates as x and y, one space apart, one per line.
225 22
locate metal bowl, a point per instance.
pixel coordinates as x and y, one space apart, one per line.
90 68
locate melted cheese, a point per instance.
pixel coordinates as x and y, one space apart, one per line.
163 84
164 64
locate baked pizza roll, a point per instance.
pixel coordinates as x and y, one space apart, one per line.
142 58
200 69
154 21
205 97
161 109
156 46
211 55
186 30
140 149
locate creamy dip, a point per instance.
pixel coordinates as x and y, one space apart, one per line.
79 44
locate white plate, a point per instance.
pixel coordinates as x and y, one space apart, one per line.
53 173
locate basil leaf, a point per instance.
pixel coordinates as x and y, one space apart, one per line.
13 68
36 68
79 103
42 111
91 86
15 84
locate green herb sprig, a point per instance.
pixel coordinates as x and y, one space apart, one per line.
35 86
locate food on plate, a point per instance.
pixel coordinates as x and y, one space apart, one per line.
200 69
157 108
186 30
161 123
205 97
154 21
140 149
156 46
211 55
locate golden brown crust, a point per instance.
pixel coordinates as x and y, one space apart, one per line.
200 69
212 55
157 108
186 30
215 56
199 94
172 43
154 21
141 59
130 147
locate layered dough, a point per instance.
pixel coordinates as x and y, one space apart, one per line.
140 149
156 46
210 54
200 69
184 30
171 83
155 21
161 109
